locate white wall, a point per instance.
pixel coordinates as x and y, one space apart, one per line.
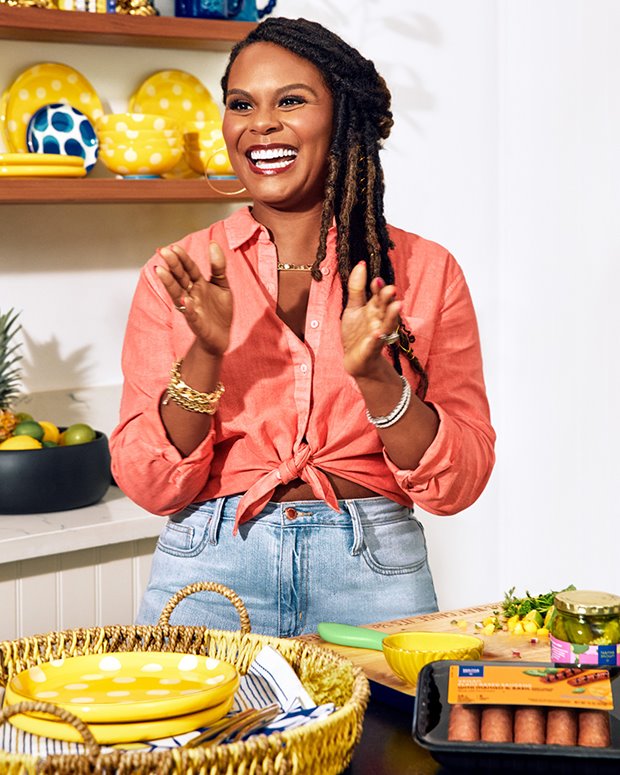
505 151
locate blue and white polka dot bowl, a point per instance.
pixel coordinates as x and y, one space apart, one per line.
64 130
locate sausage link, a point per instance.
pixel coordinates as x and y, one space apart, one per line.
561 727
594 728
561 675
464 723
530 725
588 678
496 724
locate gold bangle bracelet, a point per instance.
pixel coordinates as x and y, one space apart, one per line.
188 398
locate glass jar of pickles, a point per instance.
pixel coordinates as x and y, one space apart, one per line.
585 628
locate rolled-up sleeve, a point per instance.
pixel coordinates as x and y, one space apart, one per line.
456 466
145 464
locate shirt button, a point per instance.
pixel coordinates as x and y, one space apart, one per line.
324 270
314 324
303 368
290 513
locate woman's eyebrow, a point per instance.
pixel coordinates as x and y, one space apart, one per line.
282 90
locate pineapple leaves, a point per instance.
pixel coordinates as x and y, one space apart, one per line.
10 373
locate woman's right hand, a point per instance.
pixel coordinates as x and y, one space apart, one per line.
207 305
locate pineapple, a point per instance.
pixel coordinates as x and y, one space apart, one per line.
10 373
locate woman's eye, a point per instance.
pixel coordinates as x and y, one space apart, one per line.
238 105
291 100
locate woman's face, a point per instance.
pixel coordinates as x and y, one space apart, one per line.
278 126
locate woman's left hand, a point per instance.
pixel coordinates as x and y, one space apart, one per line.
364 322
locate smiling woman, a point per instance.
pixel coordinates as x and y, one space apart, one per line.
301 374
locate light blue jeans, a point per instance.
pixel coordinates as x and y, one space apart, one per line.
294 565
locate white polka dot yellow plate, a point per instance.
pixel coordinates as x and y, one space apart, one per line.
176 94
127 686
108 734
43 84
38 159
42 171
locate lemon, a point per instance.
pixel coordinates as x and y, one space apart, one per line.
29 428
51 432
78 433
20 442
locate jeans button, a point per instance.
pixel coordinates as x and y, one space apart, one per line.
290 513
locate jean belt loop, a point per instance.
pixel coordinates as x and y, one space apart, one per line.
356 521
216 520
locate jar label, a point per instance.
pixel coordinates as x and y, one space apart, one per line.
567 653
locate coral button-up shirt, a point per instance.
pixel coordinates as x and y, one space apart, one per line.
290 410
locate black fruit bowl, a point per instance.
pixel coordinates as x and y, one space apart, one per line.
34 481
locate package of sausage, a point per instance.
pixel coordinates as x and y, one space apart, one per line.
519 716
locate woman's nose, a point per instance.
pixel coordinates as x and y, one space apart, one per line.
265 122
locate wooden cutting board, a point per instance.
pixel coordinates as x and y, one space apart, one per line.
498 646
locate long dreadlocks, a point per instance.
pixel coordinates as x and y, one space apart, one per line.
354 187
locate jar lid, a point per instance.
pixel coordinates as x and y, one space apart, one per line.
584 601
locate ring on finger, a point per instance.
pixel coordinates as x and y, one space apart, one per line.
180 307
390 338
189 286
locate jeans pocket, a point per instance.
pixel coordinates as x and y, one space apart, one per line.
185 533
394 544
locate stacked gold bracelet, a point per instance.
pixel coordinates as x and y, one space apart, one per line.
188 398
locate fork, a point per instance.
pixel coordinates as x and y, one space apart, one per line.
235 727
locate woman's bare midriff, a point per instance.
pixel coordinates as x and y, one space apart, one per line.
301 491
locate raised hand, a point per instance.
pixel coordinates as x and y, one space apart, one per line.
207 305
364 322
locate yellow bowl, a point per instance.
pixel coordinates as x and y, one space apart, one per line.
154 159
407 652
120 141
128 135
123 121
213 160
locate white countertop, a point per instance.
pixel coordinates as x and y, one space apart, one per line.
114 520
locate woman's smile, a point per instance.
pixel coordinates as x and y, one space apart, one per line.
271 159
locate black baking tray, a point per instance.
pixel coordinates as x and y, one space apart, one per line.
430 730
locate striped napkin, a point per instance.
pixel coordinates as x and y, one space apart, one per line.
270 679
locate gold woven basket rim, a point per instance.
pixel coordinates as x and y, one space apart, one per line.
322 746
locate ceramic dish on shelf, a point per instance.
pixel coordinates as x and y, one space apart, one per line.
65 130
127 686
153 159
176 94
130 732
42 171
3 132
122 122
39 159
44 84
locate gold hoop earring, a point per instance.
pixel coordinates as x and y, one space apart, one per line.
210 183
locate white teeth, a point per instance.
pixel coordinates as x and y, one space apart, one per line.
273 165
272 153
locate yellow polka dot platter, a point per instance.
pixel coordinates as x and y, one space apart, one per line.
130 732
127 686
176 94
39 85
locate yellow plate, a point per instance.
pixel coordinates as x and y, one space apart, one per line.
42 171
176 94
41 85
107 734
3 133
127 686
36 159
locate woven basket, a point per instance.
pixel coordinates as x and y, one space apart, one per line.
320 747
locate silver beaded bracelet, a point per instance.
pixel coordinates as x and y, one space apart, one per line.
397 412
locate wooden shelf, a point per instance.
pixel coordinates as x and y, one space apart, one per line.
114 191
51 26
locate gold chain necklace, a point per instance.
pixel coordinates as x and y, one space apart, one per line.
294 267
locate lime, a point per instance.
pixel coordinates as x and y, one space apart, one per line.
21 416
49 443
51 431
20 442
78 433
29 428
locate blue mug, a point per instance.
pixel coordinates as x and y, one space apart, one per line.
238 10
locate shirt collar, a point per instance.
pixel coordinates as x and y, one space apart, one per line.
240 227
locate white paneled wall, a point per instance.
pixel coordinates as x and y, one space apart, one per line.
88 588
